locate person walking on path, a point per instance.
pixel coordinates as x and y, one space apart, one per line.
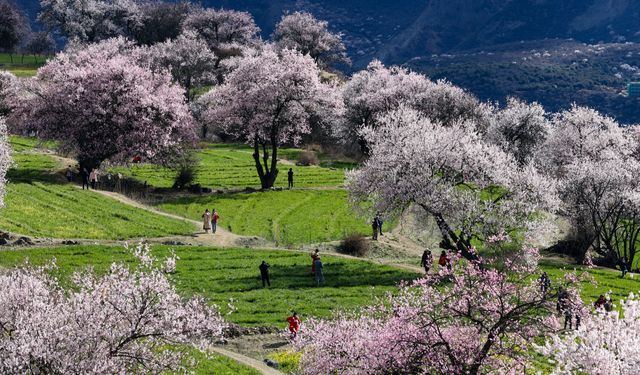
264 273
544 282
85 178
294 325
206 220
427 260
214 220
380 222
314 255
290 177
374 225
318 270
93 178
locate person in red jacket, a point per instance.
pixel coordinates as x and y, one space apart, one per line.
294 325
314 256
444 260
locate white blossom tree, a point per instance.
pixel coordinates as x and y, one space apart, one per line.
520 129
188 58
305 33
5 159
471 188
91 20
378 90
8 85
605 343
267 101
591 157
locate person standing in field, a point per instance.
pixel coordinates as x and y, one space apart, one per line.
444 260
294 325
290 177
319 269
69 174
380 222
264 273
85 178
314 256
93 178
214 220
427 260
374 225
206 220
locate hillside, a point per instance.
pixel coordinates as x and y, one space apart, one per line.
553 72
474 43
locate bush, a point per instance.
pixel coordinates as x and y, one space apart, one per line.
288 362
307 158
185 177
354 244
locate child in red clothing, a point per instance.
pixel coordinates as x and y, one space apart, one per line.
314 256
294 325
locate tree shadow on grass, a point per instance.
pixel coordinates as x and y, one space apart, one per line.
31 175
294 277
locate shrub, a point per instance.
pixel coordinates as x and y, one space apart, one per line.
288 361
307 158
185 177
354 244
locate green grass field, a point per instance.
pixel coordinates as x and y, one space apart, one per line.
232 166
226 276
286 217
22 66
39 204
607 281
220 365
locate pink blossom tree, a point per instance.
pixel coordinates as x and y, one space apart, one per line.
467 320
470 187
5 159
605 343
267 101
99 104
126 321
303 32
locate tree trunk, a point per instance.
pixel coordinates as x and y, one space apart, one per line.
450 239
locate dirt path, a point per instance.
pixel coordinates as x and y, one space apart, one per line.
248 361
222 237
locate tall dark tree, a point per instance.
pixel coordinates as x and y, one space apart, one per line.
13 26
161 21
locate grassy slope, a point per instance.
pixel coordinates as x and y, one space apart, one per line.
39 204
286 217
230 166
231 275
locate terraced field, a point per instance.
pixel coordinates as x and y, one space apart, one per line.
285 217
230 279
232 166
40 203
